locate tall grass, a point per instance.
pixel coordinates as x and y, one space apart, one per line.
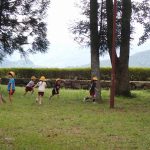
66 123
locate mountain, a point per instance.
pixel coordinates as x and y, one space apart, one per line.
23 63
141 59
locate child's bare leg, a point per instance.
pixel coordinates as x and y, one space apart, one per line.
10 98
1 102
50 97
93 99
32 92
36 100
25 93
86 99
40 100
57 95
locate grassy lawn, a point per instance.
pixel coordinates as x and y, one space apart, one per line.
69 124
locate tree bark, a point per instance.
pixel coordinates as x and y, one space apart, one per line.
122 73
94 38
109 11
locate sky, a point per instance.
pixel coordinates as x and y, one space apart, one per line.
63 50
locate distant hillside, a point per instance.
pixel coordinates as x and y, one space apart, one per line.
16 64
141 59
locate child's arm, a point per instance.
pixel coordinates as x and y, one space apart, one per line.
35 85
10 86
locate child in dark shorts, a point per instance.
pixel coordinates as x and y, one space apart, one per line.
92 90
56 88
41 89
30 85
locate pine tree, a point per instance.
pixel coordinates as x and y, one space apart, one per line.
22 26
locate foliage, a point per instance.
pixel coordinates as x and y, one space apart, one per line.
22 26
81 29
135 74
139 74
68 123
49 73
140 14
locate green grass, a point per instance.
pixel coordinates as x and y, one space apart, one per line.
69 124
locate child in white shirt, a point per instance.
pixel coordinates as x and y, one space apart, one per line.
41 89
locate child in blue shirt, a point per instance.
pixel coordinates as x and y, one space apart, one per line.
11 85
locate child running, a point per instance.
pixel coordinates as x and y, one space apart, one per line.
56 88
92 90
1 96
42 85
30 85
11 85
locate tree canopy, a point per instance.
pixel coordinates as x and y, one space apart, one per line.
22 26
81 28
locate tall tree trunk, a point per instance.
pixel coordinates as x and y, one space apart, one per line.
94 37
122 73
122 77
109 11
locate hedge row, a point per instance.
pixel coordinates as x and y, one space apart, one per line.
136 74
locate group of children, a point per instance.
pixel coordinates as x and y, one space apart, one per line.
41 88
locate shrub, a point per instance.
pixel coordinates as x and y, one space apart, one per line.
139 74
135 74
